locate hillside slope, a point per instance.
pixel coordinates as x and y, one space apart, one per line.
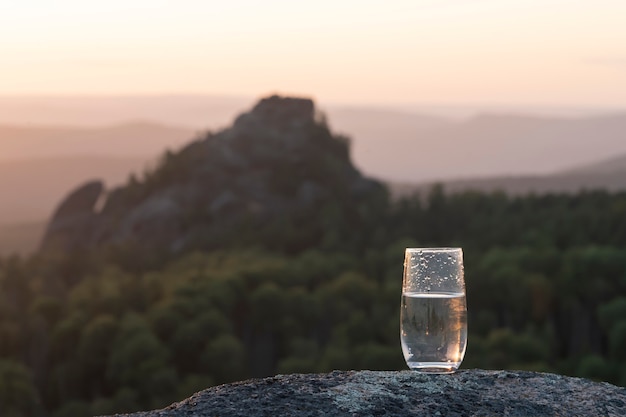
138 139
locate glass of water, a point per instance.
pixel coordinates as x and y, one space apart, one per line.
433 314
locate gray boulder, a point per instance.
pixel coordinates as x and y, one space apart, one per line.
407 393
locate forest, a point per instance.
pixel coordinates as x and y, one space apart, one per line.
98 332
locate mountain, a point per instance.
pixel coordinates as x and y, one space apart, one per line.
387 142
30 189
278 176
495 145
35 195
615 165
40 163
196 111
518 153
138 139
609 174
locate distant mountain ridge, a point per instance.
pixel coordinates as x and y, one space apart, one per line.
612 165
130 139
522 185
193 111
497 145
517 153
30 189
387 143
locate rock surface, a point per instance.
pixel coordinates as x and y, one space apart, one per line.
407 393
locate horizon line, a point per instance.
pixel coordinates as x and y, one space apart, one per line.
334 102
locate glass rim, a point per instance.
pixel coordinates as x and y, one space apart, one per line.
434 249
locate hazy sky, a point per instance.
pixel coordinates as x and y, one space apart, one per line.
528 52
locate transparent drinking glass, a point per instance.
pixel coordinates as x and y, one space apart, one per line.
433 314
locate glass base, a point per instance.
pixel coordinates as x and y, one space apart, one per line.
434 367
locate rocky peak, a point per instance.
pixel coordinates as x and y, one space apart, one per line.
279 113
272 172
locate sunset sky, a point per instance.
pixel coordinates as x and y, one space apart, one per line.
526 52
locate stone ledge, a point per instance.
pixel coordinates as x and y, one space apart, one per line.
406 393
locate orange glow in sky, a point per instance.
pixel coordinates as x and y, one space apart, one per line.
548 52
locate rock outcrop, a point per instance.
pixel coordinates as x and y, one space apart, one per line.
75 217
407 393
275 170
